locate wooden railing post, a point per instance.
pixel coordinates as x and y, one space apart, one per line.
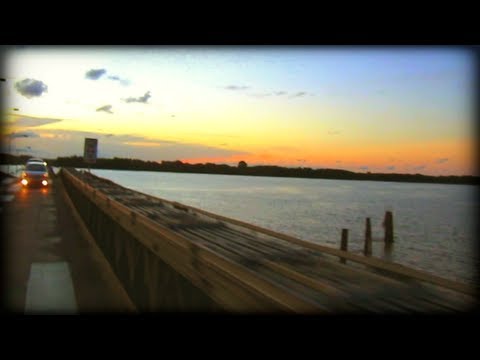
388 225
344 244
367 250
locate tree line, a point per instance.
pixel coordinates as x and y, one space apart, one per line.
241 169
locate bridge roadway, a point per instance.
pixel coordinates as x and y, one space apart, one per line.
49 267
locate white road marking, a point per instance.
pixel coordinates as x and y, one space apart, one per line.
7 198
50 289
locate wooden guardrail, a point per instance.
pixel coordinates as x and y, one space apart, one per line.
214 282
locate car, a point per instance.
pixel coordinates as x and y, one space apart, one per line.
36 160
35 174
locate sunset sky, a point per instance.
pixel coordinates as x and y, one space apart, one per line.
400 110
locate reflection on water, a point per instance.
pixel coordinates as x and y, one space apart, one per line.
433 223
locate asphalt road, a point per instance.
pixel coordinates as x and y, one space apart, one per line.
48 266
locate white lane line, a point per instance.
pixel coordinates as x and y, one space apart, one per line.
50 289
7 198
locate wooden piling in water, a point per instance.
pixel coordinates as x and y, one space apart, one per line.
344 244
367 250
388 225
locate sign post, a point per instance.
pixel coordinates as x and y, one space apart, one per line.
90 151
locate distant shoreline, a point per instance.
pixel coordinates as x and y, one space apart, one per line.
446 182
244 169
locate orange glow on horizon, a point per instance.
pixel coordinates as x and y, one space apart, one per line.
142 143
453 157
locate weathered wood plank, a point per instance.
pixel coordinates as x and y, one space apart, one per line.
174 249
238 255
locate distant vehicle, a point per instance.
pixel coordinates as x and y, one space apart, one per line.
37 160
35 173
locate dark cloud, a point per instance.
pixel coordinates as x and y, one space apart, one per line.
95 74
141 99
274 93
32 122
441 161
30 87
363 167
20 134
124 138
120 80
391 167
236 87
106 108
299 94
62 134
262 95
67 143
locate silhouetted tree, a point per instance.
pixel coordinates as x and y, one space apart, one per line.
242 165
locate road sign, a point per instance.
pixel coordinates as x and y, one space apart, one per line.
90 150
